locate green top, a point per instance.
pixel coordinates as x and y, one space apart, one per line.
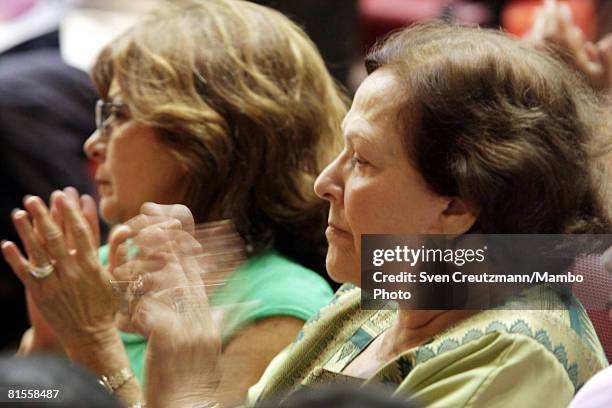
499 357
268 284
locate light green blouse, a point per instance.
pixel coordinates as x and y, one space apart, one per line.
505 358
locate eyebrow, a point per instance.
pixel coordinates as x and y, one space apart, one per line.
353 135
354 132
380 145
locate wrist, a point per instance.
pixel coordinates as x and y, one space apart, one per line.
103 354
103 337
114 381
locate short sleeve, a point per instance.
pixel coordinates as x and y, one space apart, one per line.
269 287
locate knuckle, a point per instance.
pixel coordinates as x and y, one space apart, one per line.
53 236
37 255
80 231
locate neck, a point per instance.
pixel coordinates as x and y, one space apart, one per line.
414 327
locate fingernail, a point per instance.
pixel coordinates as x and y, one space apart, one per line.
70 193
19 214
28 198
14 210
65 200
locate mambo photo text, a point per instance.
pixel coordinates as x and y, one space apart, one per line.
459 257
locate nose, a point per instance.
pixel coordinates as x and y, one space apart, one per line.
330 185
94 147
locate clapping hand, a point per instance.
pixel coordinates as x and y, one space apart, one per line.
40 337
61 273
168 304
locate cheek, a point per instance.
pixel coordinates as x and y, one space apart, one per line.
391 211
366 209
135 179
119 162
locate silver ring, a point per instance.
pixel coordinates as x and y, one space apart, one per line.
138 286
40 272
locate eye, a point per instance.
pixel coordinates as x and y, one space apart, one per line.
118 113
358 161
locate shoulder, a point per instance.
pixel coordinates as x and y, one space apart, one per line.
273 285
561 328
538 351
271 264
509 368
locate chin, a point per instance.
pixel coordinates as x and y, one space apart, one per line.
109 212
342 268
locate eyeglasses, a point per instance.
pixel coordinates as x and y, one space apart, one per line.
105 110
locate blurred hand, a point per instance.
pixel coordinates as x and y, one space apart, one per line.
220 251
554 25
167 298
125 270
169 305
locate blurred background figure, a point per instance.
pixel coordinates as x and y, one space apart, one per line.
596 392
592 18
46 109
519 15
571 32
377 18
76 387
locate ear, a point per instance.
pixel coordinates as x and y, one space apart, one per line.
458 217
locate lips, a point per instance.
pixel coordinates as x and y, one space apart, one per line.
100 178
103 187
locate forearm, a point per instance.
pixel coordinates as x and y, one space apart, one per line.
104 354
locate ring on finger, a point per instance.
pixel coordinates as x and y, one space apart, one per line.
138 286
41 272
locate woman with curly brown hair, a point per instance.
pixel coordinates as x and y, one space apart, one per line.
226 107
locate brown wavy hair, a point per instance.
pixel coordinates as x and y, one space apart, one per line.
242 98
512 130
